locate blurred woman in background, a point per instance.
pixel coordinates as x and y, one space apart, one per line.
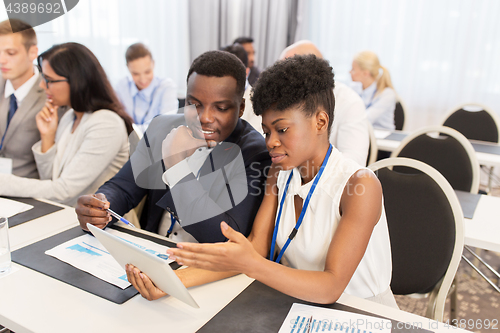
89 144
378 93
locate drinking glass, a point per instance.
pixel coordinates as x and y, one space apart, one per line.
5 262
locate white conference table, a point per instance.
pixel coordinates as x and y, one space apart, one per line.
390 145
33 302
483 230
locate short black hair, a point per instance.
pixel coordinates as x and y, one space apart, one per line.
219 64
306 81
243 40
238 51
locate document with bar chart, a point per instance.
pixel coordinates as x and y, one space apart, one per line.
87 254
308 319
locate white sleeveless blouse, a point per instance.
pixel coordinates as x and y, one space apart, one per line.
309 248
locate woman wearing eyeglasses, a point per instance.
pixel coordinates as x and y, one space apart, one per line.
89 144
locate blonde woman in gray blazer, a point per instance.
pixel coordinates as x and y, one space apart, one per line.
89 144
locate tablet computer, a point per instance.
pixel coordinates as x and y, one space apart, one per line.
154 267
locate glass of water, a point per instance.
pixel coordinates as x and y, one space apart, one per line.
5 261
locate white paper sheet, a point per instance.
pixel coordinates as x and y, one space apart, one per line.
10 208
6 165
381 134
305 319
87 254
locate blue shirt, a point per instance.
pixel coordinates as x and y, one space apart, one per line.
380 108
160 97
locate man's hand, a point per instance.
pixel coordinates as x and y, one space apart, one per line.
143 283
92 209
180 144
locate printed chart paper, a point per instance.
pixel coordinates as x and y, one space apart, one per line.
10 208
87 254
308 319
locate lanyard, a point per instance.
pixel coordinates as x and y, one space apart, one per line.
147 111
371 100
172 218
302 213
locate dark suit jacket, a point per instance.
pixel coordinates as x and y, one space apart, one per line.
190 199
254 75
22 133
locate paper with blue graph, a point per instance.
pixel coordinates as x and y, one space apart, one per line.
87 254
308 319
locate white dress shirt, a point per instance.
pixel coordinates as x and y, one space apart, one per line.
380 108
160 97
192 164
349 132
23 90
249 115
309 249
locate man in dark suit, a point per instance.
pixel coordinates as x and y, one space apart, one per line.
247 43
196 169
21 98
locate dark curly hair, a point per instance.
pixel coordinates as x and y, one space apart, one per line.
219 64
305 81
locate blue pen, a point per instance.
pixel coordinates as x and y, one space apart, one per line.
118 217
115 215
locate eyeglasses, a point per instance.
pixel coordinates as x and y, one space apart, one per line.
47 81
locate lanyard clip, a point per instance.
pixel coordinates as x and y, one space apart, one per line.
293 233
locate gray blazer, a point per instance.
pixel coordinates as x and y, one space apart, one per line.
22 133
